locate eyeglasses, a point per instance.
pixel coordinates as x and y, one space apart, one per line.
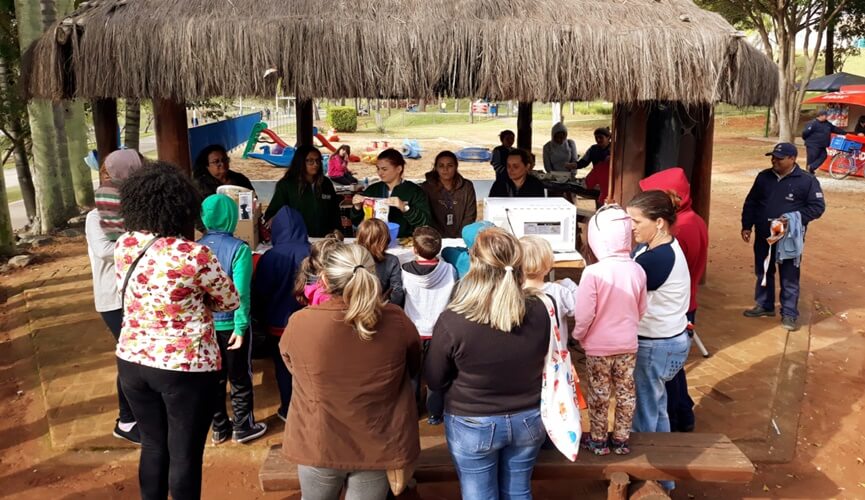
313 161
219 161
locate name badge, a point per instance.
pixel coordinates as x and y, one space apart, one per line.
325 197
450 221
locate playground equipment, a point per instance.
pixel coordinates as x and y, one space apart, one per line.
474 154
276 159
282 152
411 149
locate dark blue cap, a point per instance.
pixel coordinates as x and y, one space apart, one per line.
783 150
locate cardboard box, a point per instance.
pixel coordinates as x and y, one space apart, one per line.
247 229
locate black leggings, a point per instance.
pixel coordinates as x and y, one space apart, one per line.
174 411
114 320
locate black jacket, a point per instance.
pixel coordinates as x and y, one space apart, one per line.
505 188
817 134
486 371
389 275
771 198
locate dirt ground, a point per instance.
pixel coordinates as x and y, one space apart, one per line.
828 450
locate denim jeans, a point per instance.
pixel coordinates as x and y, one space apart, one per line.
658 361
495 455
319 483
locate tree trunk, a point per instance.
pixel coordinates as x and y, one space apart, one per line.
7 237
16 131
64 170
76 134
50 208
132 124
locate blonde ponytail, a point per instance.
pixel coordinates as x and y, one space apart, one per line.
491 293
350 273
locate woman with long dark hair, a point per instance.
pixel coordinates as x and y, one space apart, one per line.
306 189
451 196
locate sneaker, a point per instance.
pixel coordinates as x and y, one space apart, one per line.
282 414
220 435
620 447
131 435
789 323
434 420
758 311
599 448
247 434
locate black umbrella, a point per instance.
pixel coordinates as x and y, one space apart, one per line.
834 82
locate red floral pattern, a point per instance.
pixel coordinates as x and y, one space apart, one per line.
167 321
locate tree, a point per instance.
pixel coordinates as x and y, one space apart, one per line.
132 124
778 22
13 111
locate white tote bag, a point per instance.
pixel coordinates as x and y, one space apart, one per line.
560 406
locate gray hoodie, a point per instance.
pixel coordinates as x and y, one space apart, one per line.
427 295
557 155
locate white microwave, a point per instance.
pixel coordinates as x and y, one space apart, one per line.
554 219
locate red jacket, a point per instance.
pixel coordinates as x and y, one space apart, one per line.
690 229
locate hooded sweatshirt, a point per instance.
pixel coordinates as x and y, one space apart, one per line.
612 294
557 155
459 256
690 229
427 295
119 165
219 216
273 297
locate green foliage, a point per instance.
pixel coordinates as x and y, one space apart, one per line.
342 118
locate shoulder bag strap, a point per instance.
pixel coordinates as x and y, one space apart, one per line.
129 272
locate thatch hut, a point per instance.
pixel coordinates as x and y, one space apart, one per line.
630 52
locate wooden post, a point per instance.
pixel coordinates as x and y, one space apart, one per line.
304 122
105 127
172 133
524 126
629 150
701 176
618 488
647 490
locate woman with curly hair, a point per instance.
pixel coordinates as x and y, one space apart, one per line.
306 189
167 355
211 171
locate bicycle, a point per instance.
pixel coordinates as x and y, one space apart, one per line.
844 162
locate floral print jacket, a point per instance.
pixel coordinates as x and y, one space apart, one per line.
167 320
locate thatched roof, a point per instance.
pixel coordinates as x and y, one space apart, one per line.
531 50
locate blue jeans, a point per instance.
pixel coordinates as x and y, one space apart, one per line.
658 361
495 455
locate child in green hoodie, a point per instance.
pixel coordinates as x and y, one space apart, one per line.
219 215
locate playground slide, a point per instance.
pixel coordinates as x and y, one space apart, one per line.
332 149
278 140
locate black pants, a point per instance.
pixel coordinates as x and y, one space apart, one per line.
114 320
680 406
174 411
435 401
237 369
283 376
344 180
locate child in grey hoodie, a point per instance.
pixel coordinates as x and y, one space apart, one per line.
428 283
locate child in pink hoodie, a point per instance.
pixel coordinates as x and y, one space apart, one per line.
611 300
308 289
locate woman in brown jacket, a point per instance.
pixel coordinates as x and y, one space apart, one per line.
352 415
451 196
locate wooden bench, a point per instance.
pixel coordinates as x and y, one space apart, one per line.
654 456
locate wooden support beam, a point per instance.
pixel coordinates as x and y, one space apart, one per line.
629 150
172 134
524 126
105 127
701 177
618 487
304 122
